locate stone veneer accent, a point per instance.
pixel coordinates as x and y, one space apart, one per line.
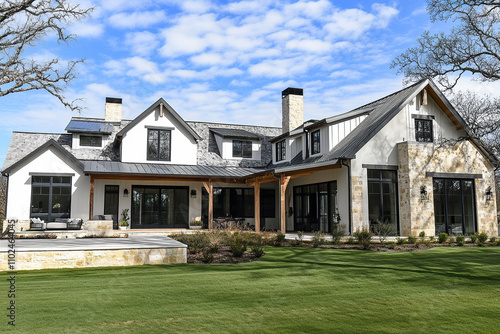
89 227
113 112
209 155
357 203
94 258
292 112
416 159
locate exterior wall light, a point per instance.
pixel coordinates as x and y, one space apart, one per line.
423 194
193 193
489 194
125 192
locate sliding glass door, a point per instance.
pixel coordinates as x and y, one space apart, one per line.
315 206
160 207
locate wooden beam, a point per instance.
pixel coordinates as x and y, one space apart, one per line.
283 184
91 198
257 206
209 187
424 97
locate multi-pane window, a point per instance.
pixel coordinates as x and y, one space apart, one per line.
383 197
242 149
315 142
159 144
280 150
423 130
50 197
93 141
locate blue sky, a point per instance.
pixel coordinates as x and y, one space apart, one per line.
224 61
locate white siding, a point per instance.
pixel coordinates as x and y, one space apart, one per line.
49 162
339 131
183 145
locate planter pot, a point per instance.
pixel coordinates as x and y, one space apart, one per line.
123 227
195 227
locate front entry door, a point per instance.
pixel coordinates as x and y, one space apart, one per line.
111 197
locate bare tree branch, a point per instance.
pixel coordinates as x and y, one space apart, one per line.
25 23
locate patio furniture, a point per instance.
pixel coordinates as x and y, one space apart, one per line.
59 224
74 224
37 224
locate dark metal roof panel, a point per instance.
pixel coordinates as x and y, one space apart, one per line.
89 127
234 133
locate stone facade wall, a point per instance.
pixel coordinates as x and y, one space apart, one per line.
209 155
357 203
416 159
94 258
293 112
91 227
113 112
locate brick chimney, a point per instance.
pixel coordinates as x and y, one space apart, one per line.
292 102
113 109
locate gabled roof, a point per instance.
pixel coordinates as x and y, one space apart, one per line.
235 133
168 109
44 147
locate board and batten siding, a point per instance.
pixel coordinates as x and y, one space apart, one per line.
183 145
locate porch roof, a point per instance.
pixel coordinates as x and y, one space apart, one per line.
150 169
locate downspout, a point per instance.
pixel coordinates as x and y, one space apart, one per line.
349 191
307 143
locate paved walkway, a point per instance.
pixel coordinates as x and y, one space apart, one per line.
132 242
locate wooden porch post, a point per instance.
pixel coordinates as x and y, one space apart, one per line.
283 184
257 206
209 187
91 200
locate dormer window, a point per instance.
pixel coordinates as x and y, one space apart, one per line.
159 145
423 130
315 142
281 150
91 141
242 149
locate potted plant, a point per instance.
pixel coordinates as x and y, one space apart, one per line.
125 219
195 224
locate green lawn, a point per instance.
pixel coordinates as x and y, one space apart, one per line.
290 290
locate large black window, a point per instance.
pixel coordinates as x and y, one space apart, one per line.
383 197
156 206
280 150
159 144
93 141
454 206
50 197
234 202
315 142
242 149
423 130
315 207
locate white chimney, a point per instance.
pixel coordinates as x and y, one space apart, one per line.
113 109
292 102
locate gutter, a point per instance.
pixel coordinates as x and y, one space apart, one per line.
349 191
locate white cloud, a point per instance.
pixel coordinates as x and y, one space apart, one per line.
196 6
312 46
142 43
137 19
87 29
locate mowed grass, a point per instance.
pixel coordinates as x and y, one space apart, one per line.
290 290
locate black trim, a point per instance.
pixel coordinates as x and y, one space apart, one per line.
281 150
243 143
93 141
292 91
383 167
454 175
313 140
113 100
423 136
428 117
169 158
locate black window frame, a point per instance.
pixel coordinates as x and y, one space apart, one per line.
48 182
281 150
423 136
245 149
149 157
315 142
95 141
380 180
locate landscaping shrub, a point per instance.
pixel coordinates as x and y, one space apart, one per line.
422 234
351 241
431 238
451 240
460 240
481 238
400 241
208 255
391 244
216 239
279 238
383 229
363 237
412 239
442 238
493 240
473 238
338 231
318 239
237 244
257 250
